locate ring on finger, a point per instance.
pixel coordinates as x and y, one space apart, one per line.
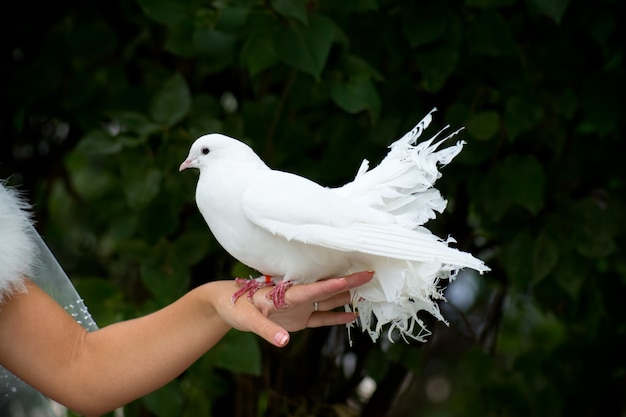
316 306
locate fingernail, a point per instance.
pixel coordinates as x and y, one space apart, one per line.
281 338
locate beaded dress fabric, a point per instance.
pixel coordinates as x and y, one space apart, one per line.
17 235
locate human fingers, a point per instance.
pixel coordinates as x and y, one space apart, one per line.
359 278
330 318
324 289
268 330
333 302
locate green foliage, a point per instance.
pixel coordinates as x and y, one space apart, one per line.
105 100
172 102
238 352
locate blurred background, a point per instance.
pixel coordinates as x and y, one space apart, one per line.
101 101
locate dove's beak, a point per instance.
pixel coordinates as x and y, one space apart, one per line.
186 164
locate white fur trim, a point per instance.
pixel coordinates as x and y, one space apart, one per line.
17 249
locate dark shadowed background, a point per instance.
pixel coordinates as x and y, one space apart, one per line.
102 99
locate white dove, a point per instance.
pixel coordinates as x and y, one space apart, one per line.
293 230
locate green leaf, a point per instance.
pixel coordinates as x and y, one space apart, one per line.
135 122
306 47
98 142
89 41
118 233
104 299
214 43
554 9
238 352
136 249
437 63
515 181
141 189
167 12
594 228
172 102
179 40
231 18
489 4
258 53
565 103
517 259
166 279
409 357
523 180
356 95
549 332
356 67
483 125
478 366
349 5
295 9
203 117
192 247
141 179
521 114
571 274
167 401
376 364
545 256
491 35
424 23
89 181
602 104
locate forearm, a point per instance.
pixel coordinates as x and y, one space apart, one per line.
99 371
127 360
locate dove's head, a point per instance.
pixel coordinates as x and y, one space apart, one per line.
215 146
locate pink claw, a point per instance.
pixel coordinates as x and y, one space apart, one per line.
277 294
250 286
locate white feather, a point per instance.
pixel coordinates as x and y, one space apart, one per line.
402 184
17 250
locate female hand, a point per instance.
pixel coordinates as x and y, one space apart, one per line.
260 316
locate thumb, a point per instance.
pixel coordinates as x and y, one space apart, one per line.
270 331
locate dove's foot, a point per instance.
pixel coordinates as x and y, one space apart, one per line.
250 286
277 294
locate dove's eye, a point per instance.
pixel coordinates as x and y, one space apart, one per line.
205 151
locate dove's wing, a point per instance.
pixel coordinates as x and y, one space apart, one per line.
315 215
293 200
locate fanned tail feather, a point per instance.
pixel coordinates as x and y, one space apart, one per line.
402 184
399 291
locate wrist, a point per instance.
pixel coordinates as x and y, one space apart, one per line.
210 299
